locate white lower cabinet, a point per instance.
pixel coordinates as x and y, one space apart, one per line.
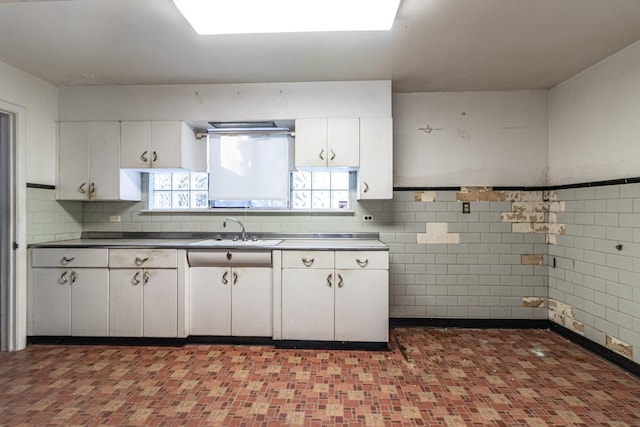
231 301
69 292
143 301
335 296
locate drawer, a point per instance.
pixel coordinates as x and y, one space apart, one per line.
71 257
307 259
362 260
143 258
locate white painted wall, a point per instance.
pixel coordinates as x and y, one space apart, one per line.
40 100
258 101
477 138
594 122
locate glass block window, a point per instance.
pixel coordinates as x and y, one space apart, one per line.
179 190
320 189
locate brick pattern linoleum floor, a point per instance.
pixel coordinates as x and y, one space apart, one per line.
433 377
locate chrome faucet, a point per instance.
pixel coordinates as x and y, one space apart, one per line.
244 233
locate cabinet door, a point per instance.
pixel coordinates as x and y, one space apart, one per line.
104 161
125 302
210 301
343 142
375 178
73 161
51 301
166 145
251 302
90 302
135 145
160 303
307 304
311 143
362 305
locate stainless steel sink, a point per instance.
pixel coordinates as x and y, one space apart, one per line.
228 243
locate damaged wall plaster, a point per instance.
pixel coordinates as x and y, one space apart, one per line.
425 196
531 211
437 232
619 347
533 302
532 259
562 314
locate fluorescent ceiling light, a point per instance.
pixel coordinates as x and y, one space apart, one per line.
287 16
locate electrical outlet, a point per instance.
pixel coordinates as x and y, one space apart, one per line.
368 218
466 207
115 218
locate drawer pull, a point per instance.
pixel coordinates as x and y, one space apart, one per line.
329 280
135 280
235 277
224 278
140 261
66 260
74 276
340 280
144 157
333 155
63 278
308 262
145 278
321 155
361 263
81 188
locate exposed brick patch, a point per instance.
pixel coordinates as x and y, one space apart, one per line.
521 216
533 302
620 347
532 259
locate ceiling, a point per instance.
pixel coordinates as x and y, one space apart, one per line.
435 45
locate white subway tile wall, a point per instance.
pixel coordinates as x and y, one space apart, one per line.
48 219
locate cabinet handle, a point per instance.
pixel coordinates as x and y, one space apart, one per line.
63 278
366 186
321 155
308 262
235 277
329 280
145 278
135 280
66 260
92 188
224 278
74 276
140 261
81 188
362 264
339 280
155 156
143 157
333 155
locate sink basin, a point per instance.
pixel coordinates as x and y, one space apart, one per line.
227 243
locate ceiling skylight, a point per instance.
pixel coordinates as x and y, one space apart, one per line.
210 17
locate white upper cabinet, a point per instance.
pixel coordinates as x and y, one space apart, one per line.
327 142
161 145
375 178
89 163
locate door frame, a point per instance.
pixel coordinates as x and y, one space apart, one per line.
14 303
